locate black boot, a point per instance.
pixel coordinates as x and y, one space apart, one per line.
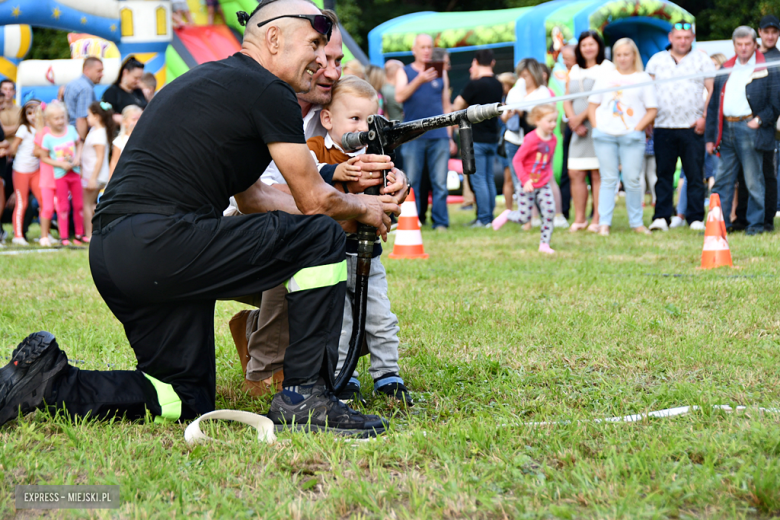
27 380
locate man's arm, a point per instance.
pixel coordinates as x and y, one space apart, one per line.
459 104
405 88
445 93
711 127
261 198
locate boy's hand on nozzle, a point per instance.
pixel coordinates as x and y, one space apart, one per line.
347 171
528 187
397 185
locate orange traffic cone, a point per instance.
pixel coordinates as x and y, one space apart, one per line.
408 238
716 251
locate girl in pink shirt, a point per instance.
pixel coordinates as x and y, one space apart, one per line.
533 166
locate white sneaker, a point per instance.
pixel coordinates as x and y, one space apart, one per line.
19 241
659 224
777 215
560 222
45 242
697 225
677 222
536 222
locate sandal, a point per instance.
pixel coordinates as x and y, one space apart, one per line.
578 226
604 231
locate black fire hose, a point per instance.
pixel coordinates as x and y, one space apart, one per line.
382 138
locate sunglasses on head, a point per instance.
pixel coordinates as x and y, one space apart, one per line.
319 22
680 26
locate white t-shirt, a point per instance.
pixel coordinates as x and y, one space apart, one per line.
96 136
25 161
735 103
121 141
619 112
680 103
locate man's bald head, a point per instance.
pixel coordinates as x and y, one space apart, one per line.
271 9
287 46
422 48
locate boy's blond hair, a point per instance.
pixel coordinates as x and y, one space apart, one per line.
539 111
354 86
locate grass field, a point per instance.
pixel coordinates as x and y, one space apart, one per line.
493 336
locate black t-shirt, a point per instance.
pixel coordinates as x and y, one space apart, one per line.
119 99
772 54
203 139
484 91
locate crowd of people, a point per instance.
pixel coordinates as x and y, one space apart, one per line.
64 152
625 142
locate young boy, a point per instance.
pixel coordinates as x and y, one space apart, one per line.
352 101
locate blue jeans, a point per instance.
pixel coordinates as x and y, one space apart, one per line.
737 147
482 182
435 153
628 152
511 151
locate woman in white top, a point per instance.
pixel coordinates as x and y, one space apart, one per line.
130 116
582 161
94 159
26 169
619 120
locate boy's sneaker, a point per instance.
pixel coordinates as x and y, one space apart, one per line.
351 392
29 376
322 411
19 241
393 386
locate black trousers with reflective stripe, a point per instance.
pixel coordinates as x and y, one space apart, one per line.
161 276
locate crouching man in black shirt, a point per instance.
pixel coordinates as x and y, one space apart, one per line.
162 253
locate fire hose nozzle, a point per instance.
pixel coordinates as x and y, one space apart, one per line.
354 140
478 113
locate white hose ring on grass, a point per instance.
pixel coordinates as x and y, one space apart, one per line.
263 425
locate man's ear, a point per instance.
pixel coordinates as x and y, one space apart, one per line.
273 39
325 119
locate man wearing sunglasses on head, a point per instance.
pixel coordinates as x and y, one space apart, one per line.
162 253
678 131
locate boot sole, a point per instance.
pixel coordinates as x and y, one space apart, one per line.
342 432
27 394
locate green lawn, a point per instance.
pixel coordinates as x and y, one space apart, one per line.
493 336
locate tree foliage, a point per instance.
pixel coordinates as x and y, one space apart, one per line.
49 44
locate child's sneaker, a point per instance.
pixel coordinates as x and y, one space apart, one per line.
66 242
351 392
545 248
393 386
19 241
